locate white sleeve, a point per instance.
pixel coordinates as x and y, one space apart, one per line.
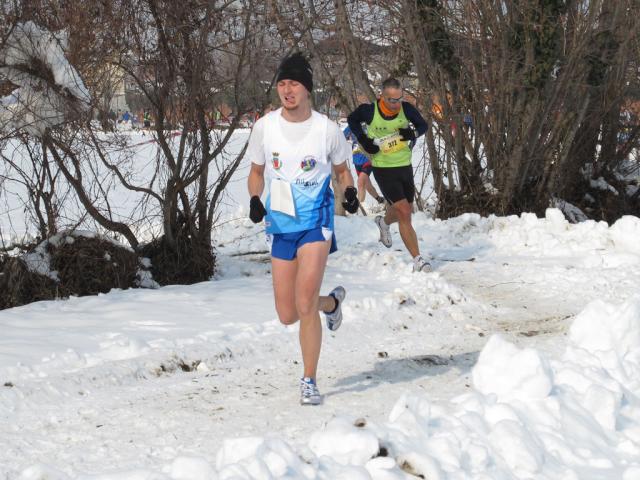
338 149
255 149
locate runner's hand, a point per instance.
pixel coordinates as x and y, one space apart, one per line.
368 145
407 134
256 209
351 202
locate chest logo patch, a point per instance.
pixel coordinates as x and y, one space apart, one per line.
275 160
308 163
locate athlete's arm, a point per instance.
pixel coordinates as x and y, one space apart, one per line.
256 180
256 186
415 117
362 114
343 174
345 179
339 153
255 154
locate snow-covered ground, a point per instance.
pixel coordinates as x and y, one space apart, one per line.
518 358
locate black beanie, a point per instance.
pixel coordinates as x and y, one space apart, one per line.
296 67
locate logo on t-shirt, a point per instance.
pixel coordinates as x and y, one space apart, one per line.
308 163
275 160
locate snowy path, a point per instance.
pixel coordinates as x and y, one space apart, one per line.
115 395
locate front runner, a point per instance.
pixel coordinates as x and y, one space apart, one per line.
294 149
388 138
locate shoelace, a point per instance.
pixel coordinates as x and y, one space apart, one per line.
309 389
420 264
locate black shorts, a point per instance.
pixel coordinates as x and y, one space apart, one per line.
396 183
366 168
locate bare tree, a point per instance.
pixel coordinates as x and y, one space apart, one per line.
186 62
527 94
39 180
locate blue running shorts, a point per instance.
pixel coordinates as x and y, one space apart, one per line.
285 245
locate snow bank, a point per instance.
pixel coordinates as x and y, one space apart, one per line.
577 417
572 418
551 237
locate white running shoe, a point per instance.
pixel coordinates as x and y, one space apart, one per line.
385 232
309 394
421 265
334 319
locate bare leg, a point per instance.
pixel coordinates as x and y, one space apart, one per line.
362 192
400 212
283 273
391 216
369 186
312 258
293 291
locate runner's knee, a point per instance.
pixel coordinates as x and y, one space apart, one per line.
403 210
287 316
307 306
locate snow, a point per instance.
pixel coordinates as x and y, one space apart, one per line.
529 375
573 213
518 358
601 184
36 105
39 260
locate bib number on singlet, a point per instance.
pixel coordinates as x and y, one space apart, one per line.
282 197
391 143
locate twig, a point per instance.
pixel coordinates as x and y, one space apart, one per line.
253 252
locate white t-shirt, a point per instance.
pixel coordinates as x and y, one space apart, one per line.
338 149
298 157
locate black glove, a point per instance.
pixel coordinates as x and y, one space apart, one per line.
256 209
407 134
351 202
367 144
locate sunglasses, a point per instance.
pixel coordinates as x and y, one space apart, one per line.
393 100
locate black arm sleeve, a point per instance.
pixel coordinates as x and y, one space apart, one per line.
415 117
362 114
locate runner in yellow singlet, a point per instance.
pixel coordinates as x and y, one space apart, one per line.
392 128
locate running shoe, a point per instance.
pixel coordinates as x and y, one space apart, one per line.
385 232
421 265
309 394
334 319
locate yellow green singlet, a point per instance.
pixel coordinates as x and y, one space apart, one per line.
394 152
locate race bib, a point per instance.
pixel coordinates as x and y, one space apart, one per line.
281 199
391 143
